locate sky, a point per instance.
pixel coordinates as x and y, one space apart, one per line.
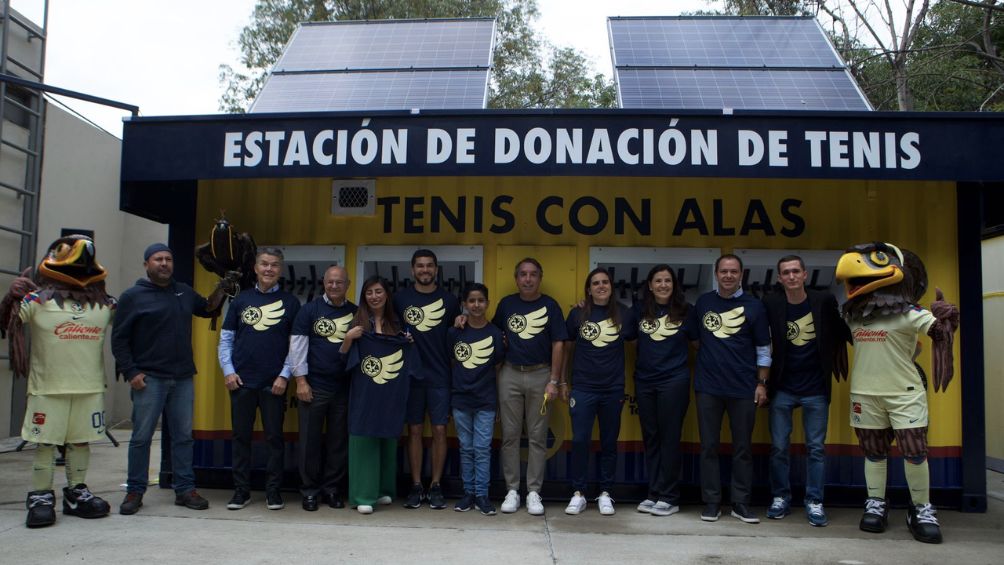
164 56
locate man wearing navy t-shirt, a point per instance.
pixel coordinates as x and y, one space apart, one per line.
733 365
535 332
427 313
322 391
807 335
253 354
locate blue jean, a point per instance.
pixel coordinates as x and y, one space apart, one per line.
474 433
815 415
173 397
587 408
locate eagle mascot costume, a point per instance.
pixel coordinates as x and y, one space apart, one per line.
229 255
67 311
884 285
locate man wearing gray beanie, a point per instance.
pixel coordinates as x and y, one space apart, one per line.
152 344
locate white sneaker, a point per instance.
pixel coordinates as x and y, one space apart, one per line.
646 505
534 506
364 509
511 502
576 505
606 504
384 500
662 508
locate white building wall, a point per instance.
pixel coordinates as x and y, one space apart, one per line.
993 360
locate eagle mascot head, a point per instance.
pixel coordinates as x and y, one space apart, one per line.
69 270
881 279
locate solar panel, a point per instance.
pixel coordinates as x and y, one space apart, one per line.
704 62
739 88
398 90
382 65
721 42
389 45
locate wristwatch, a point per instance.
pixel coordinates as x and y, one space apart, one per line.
762 382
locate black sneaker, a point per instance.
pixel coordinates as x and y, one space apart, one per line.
876 516
436 499
273 500
465 503
192 499
131 503
79 501
41 509
712 511
923 523
415 497
240 499
743 512
484 504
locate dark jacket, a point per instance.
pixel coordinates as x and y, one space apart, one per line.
830 332
153 330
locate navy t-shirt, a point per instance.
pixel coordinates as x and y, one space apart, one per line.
475 352
803 372
662 347
530 328
324 325
598 360
729 329
261 322
428 316
382 368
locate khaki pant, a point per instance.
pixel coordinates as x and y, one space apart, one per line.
520 398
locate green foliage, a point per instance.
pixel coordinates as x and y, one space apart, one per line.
528 72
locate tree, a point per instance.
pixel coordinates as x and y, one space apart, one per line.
527 71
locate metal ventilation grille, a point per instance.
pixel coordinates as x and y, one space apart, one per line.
353 197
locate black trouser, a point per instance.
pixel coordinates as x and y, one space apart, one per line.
661 409
323 458
742 416
244 404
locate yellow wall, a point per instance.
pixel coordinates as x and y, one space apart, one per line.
993 360
836 214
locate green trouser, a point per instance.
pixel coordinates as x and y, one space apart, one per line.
372 469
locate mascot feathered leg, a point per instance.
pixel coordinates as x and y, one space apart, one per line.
888 390
66 309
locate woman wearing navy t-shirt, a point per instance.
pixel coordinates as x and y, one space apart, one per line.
381 361
662 386
597 331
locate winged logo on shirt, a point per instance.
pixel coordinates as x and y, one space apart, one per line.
726 324
424 318
527 326
383 369
659 328
264 317
600 334
801 331
334 330
472 355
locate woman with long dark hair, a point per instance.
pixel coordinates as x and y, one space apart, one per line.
380 360
662 386
597 331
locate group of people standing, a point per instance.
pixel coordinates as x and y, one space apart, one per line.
361 373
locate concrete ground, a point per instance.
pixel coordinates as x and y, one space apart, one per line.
164 532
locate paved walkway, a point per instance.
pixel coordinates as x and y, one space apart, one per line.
163 532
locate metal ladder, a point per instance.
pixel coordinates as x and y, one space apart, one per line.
31 108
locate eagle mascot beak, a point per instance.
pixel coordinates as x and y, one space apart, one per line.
865 268
71 260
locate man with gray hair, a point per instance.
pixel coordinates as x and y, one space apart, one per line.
253 353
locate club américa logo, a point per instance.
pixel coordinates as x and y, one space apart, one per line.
712 321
